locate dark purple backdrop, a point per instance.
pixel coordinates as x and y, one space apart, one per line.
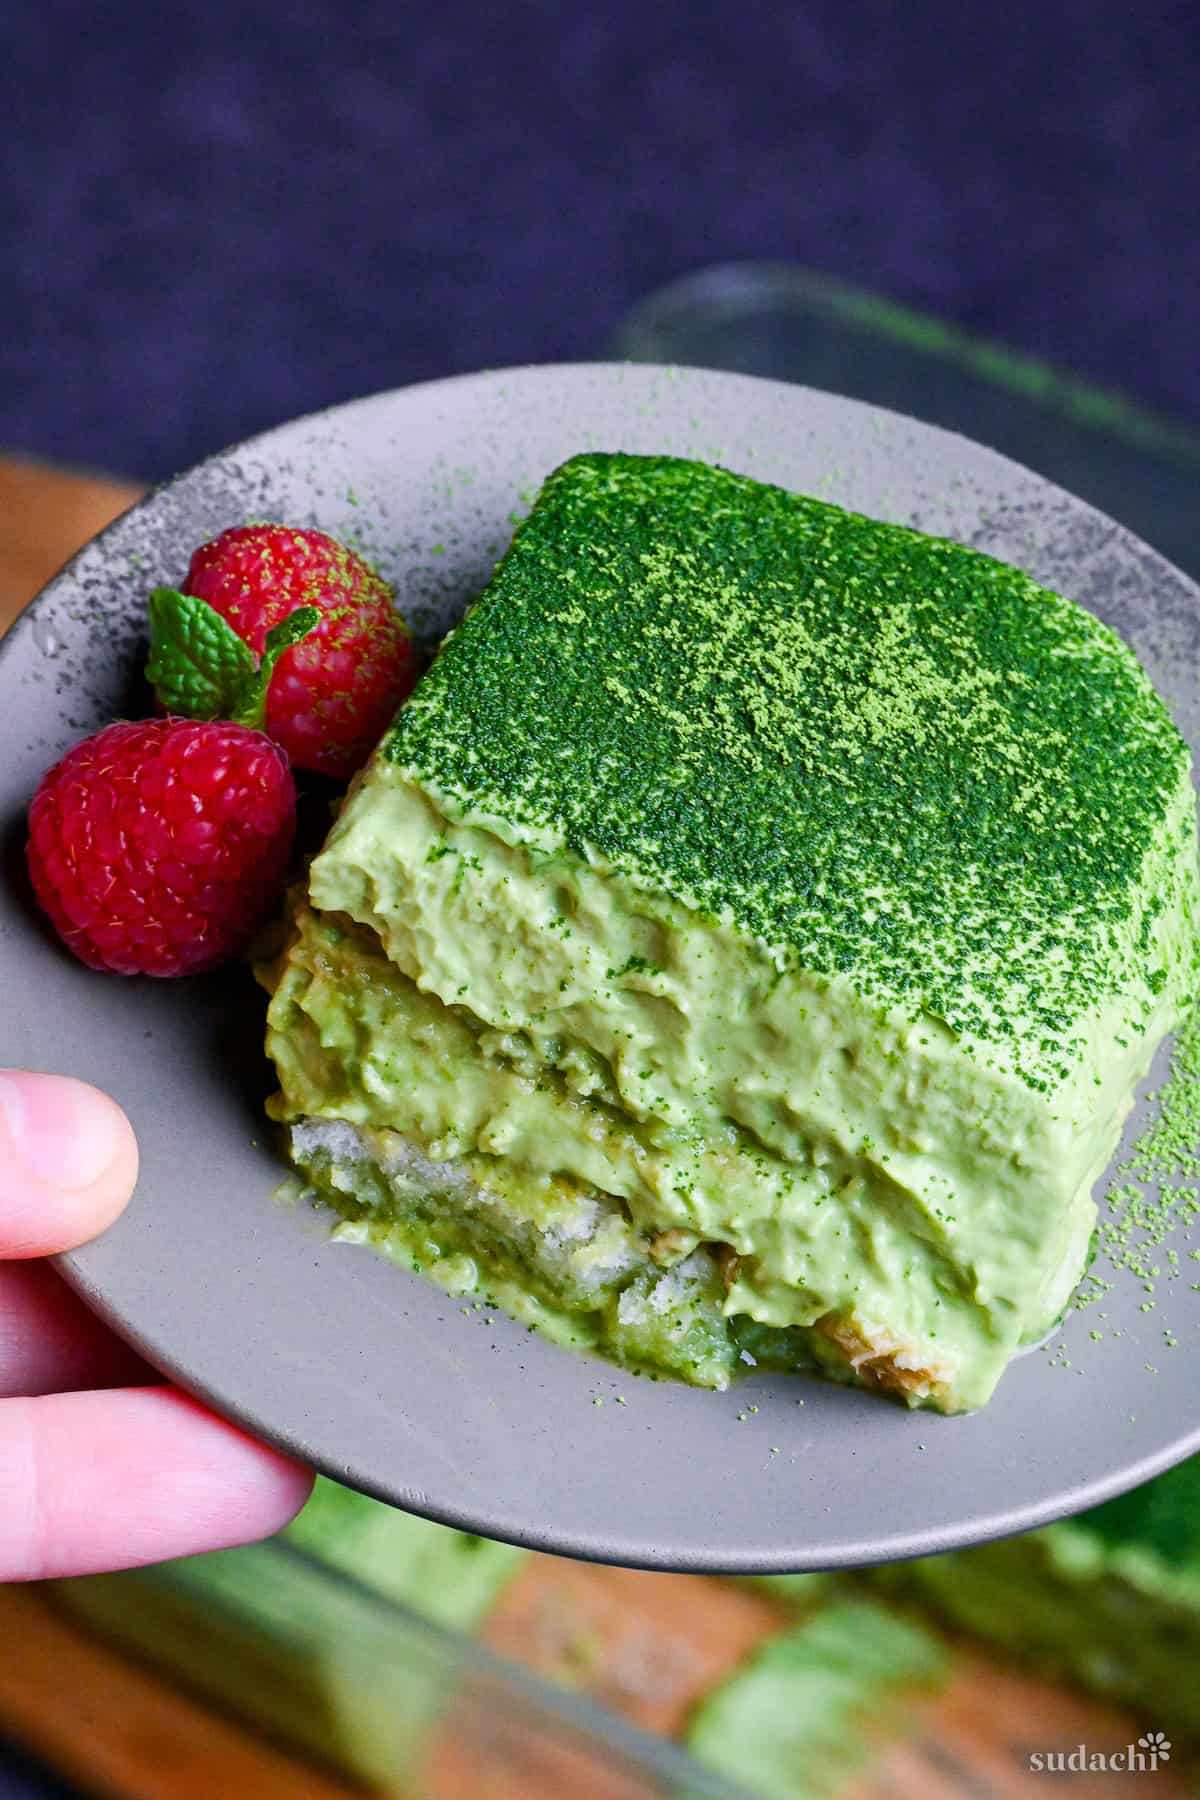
215 217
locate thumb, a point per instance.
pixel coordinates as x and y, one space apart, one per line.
68 1162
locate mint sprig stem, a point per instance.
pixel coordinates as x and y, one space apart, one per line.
201 669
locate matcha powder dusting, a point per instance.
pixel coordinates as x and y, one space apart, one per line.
887 755
1157 1189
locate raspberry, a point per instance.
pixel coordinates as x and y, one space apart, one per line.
331 696
160 847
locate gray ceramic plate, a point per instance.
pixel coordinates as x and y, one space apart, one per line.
374 1375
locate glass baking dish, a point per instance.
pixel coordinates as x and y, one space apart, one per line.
367 1687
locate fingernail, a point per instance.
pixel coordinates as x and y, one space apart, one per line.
62 1131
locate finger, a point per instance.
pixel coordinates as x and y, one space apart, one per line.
68 1162
49 1341
136 1475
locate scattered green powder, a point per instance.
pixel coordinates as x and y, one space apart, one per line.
1157 1189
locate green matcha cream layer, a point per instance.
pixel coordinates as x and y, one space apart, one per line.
745 944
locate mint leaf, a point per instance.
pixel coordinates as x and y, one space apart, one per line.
252 701
198 665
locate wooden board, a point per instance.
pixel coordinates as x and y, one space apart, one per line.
647 1645
120 1731
651 1645
45 516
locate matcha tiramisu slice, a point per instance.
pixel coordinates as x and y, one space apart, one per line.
745 944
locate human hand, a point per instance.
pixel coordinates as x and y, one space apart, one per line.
102 1466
